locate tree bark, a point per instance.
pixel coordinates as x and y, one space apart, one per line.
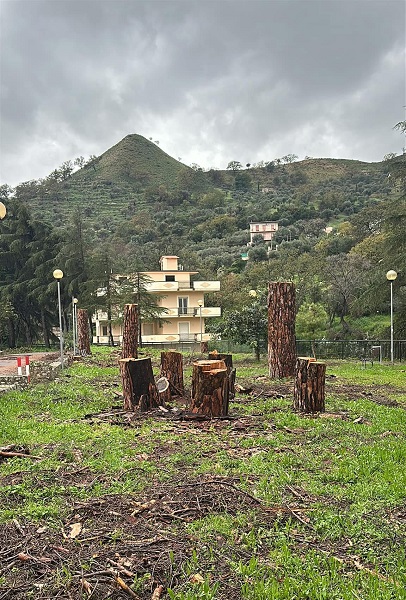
141 390
129 350
281 329
83 332
310 380
228 360
172 369
210 388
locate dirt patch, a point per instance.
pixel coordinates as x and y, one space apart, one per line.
105 544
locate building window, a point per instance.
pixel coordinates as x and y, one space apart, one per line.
104 329
182 306
169 277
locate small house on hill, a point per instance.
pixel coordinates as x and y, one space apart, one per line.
267 229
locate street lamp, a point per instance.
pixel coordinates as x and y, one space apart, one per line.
252 293
200 303
58 274
391 276
74 323
3 210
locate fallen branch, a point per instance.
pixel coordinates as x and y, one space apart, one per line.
19 454
125 587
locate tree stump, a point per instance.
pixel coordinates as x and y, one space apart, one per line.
281 329
172 369
228 360
129 349
142 389
210 388
310 380
83 332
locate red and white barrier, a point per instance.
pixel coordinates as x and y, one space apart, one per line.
20 367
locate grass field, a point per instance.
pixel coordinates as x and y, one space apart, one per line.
268 504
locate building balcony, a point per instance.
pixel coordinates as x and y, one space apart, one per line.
206 286
162 286
207 311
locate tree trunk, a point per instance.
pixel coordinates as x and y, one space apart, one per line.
172 369
142 391
11 333
129 350
281 329
310 379
45 331
83 332
130 332
228 360
210 388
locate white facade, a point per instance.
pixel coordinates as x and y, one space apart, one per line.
183 318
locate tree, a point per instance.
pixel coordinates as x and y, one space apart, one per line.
311 322
348 276
234 166
247 325
242 181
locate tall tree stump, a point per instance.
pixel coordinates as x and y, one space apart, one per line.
281 329
210 388
228 360
141 384
310 381
83 332
129 349
172 369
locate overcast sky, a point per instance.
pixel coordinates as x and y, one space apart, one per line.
213 81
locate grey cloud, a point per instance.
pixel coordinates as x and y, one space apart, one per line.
213 81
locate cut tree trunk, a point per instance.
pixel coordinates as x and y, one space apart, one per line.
141 384
210 388
310 380
172 369
83 332
129 350
228 360
281 329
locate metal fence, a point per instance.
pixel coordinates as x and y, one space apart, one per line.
342 349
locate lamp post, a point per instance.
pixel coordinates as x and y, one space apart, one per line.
74 323
391 276
200 303
58 274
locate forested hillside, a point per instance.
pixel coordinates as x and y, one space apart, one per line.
123 210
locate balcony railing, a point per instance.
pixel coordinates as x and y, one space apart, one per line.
207 311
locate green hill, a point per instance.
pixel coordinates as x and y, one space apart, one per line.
134 160
139 197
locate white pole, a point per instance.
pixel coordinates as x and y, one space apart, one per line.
60 323
391 321
74 326
201 324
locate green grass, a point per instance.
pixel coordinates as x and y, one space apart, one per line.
329 522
